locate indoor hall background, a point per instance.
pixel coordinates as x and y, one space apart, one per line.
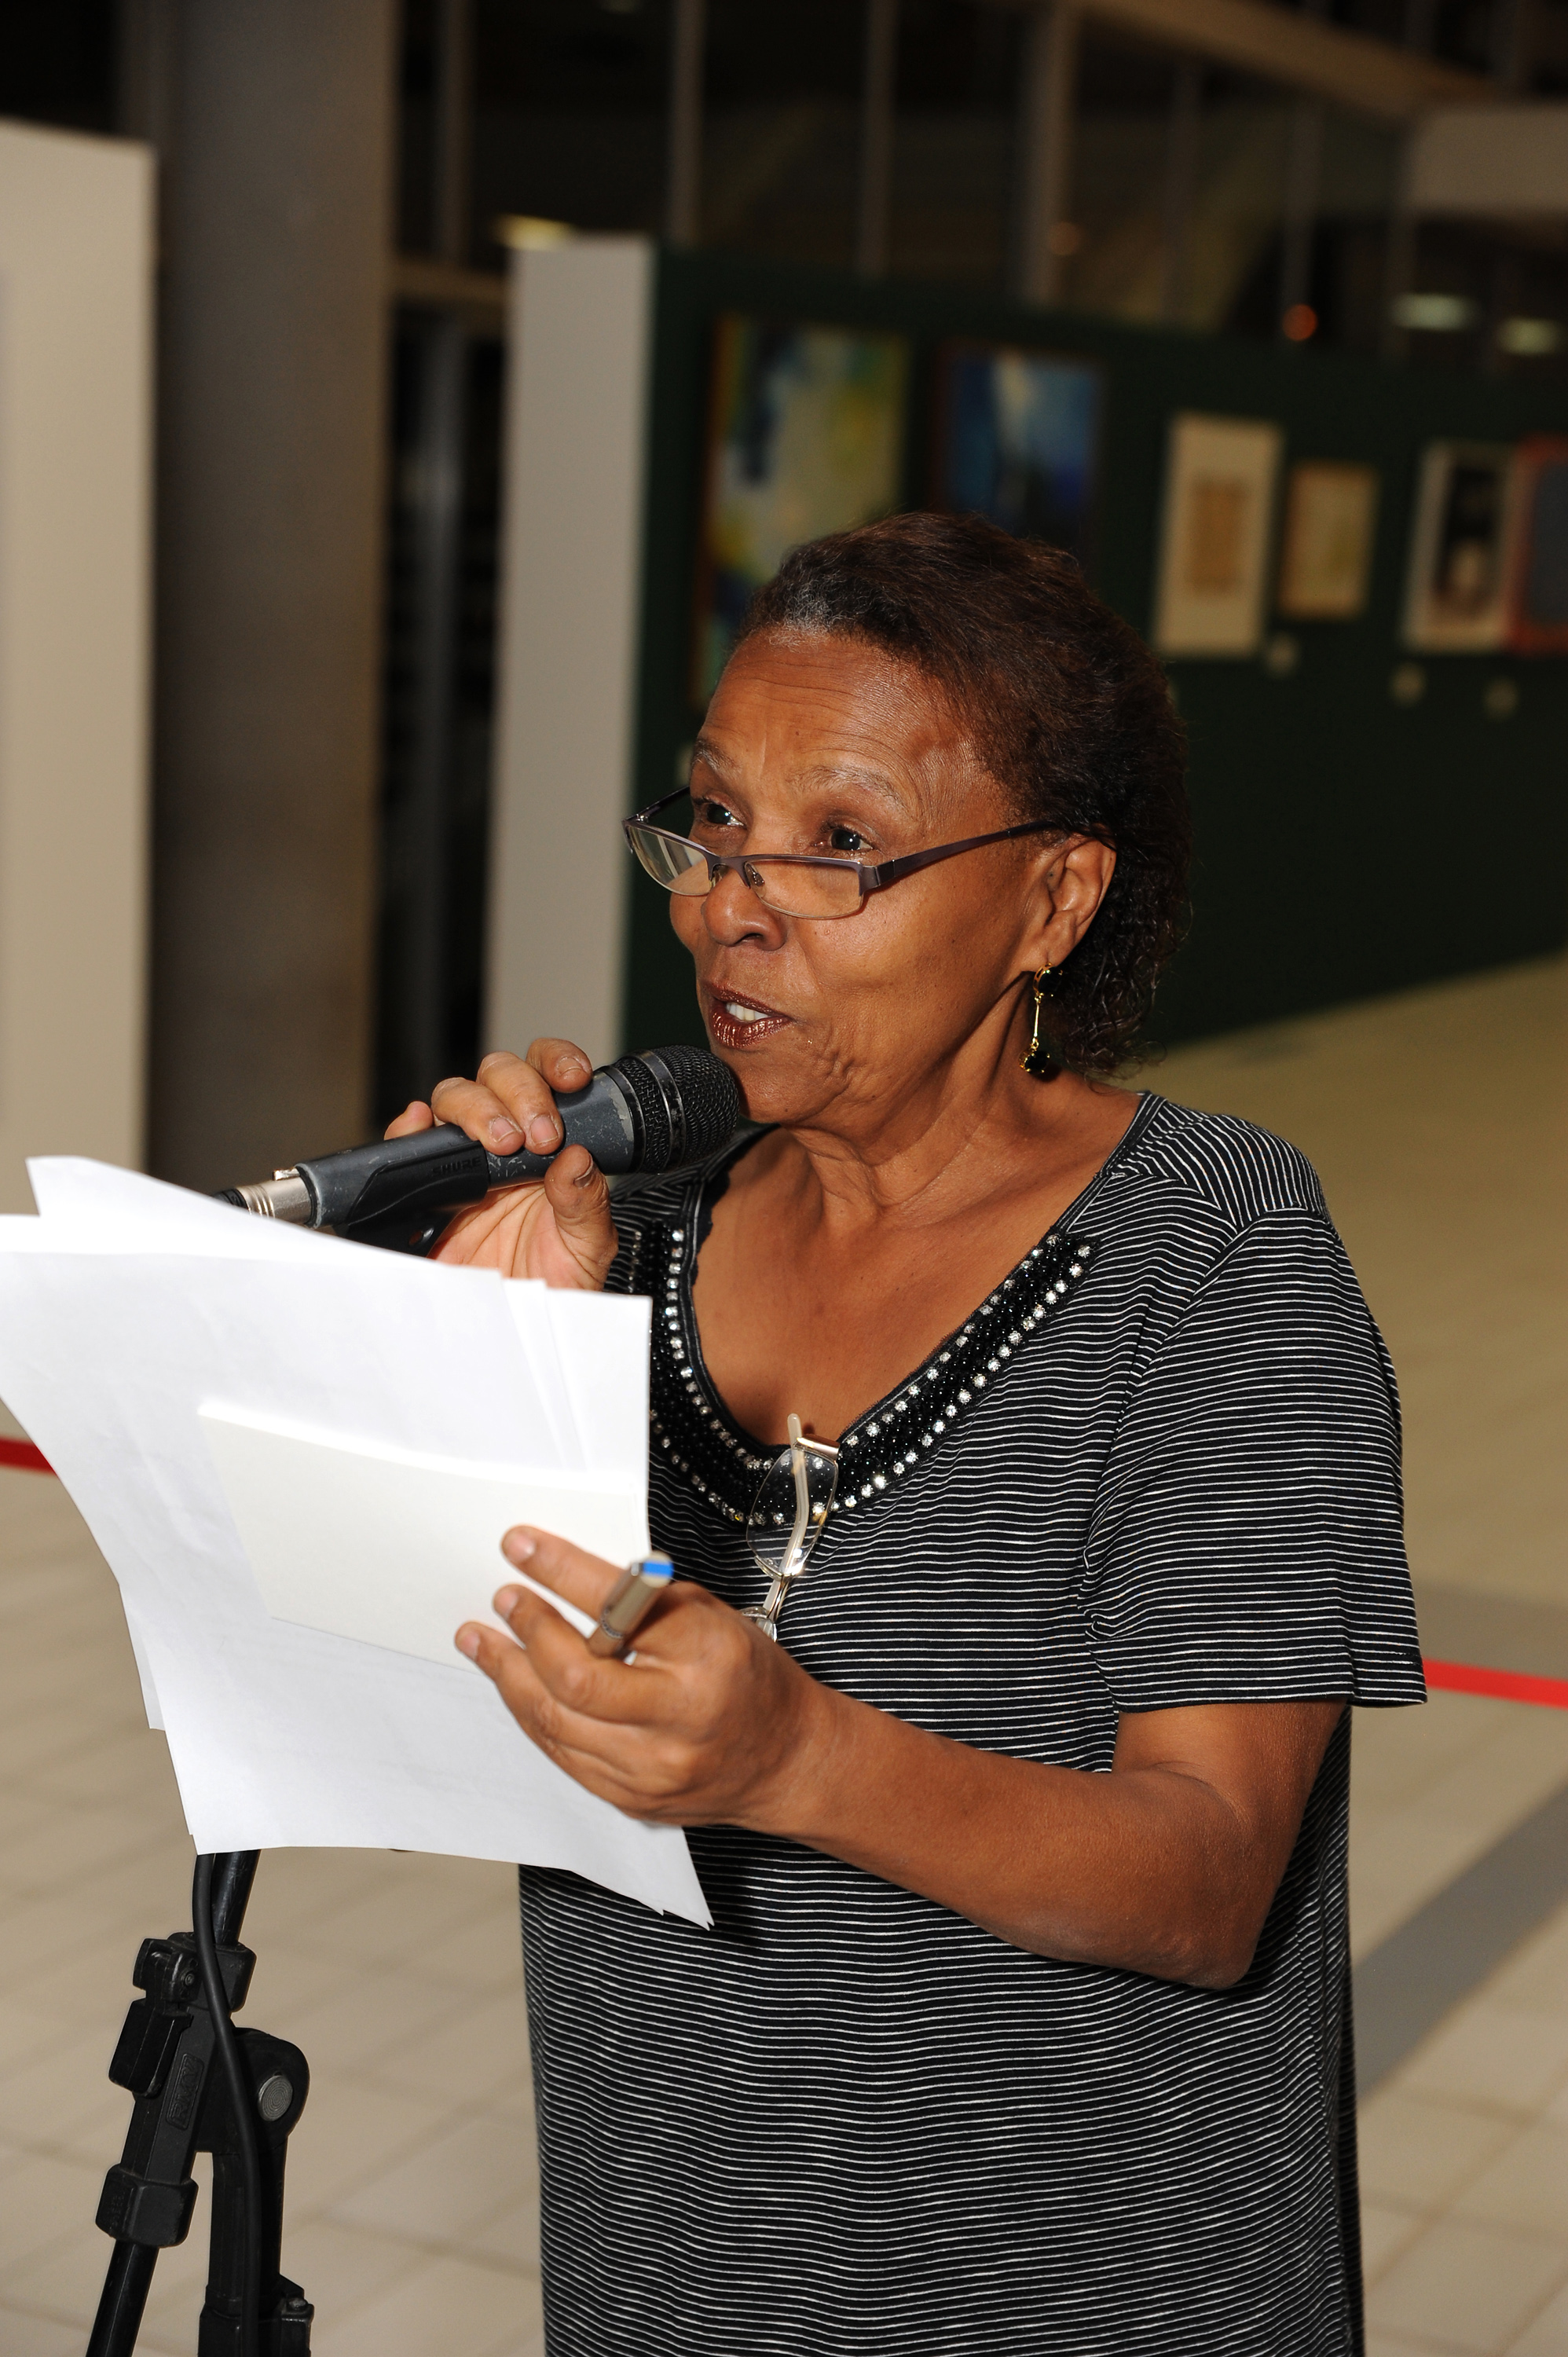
961 146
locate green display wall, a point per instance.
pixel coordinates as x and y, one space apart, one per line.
1347 845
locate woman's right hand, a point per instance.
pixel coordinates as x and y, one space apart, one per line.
558 1227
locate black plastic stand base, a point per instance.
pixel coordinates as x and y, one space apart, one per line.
168 2057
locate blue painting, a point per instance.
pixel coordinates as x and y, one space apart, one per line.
1020 442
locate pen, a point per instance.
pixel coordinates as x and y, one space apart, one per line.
629 1602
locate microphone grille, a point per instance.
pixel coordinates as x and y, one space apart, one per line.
703 1098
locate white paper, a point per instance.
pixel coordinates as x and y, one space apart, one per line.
129 1307
396 1547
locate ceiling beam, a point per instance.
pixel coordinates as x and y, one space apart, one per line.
1307 54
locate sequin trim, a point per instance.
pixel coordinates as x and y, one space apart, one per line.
724 1467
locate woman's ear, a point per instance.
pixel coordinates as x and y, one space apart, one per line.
1075 879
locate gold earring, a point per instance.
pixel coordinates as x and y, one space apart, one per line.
1036 1057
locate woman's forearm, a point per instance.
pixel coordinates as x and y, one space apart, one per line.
1152 1868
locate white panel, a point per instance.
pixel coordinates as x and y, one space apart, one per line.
1491 160
576 463
75 378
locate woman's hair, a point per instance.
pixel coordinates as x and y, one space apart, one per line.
1062 702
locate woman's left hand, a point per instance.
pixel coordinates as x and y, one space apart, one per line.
712 1723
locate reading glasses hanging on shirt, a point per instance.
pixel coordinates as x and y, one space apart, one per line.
791 884
786 1518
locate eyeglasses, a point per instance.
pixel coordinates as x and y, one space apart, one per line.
786 1518
806 886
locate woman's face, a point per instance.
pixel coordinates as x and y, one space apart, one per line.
822 744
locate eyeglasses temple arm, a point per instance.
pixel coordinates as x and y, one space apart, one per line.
876 880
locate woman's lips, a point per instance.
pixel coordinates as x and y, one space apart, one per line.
737 1020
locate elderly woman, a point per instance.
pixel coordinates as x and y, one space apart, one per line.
1024 2022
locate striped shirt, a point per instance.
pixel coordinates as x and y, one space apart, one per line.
1160 1465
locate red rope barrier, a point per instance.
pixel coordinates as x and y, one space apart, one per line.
24 1457
1505 1685
1454 1677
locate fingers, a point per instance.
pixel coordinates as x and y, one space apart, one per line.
412 1118
584 1580
510 1103
578 1193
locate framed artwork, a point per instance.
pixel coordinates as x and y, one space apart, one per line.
1462 549
807 437
1018 441
1538 622
1211 585
1326 550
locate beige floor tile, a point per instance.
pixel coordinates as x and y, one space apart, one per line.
477 2055
1399 2344
393 1916
1493 2059
1524 2186
367 2016
342 2268
1546 2335
44 2199
1468 2286
1536 1975
450 2189
349 2131
1385 2233
24 2035
499 2312
485 1954
37 2336
65 2276
1419 2154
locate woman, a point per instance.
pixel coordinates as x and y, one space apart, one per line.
1023 2024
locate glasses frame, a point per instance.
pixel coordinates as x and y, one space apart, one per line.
871 877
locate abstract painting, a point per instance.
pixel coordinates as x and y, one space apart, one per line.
807 438
1018 441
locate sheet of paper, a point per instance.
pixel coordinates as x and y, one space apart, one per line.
118 1321
394 1547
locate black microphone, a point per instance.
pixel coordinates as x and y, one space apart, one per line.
658 1111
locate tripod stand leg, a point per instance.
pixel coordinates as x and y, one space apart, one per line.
127 2283
167 2057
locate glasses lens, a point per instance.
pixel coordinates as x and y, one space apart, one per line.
794 888
789 1509
670 859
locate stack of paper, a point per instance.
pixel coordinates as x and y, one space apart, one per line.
299 1455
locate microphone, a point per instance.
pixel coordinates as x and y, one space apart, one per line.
657 1111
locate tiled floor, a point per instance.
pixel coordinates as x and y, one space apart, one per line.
1438 1122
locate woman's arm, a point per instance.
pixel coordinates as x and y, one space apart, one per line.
1166 1865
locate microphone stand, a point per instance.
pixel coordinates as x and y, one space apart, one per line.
200 2086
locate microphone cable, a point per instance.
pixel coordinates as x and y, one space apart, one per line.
241 2100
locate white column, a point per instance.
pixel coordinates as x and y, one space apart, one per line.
581 329
76 282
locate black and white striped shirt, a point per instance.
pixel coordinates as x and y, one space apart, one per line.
1159 1466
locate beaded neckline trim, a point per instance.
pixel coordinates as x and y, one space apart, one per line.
723 1464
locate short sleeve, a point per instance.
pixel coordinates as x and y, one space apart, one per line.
1247 1542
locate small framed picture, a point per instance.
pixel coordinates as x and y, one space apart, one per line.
1325 547
1462 549
1018 441
1538 622
806 436
1211 586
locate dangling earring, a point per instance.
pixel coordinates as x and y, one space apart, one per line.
1036 1056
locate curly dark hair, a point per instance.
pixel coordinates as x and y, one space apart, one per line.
1063 703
